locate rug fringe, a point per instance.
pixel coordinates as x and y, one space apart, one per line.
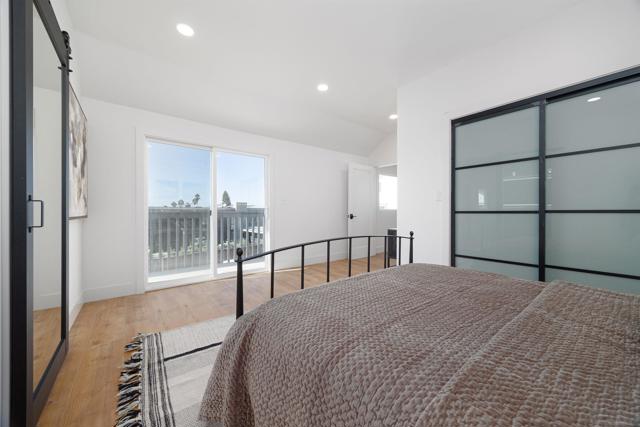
128 411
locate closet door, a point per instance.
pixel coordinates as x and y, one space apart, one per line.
496 186
593 188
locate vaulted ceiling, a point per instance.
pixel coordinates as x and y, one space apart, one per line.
254 65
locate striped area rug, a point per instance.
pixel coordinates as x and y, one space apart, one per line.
163 382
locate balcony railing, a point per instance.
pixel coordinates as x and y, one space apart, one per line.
180 238
240 227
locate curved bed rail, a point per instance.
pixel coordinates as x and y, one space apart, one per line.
387 238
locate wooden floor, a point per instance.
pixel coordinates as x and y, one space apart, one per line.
46 336
85 391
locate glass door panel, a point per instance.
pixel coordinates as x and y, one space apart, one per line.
613 283
519 271
602 180
501 237
608 242
506 137
595 120
240 209
508 187
179 209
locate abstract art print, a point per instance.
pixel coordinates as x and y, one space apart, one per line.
78 183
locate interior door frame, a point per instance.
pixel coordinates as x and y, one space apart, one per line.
539 101
26 404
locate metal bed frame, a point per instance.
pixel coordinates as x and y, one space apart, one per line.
387 238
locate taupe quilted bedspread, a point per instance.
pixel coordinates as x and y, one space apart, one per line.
423 345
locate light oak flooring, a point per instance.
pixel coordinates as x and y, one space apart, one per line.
85 391
46 336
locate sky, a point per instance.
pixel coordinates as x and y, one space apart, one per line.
179 172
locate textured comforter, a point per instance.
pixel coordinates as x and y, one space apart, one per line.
424 345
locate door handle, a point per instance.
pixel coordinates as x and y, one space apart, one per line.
351 216
31 200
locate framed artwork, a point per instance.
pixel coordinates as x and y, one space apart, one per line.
78 183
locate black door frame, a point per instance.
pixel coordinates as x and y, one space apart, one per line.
541 101
25 402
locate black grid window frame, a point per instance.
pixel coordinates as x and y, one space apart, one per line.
540 101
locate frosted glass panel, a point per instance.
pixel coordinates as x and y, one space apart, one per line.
598 119
509 237
513 186
616 284
602 242
527 273
604 180
507 137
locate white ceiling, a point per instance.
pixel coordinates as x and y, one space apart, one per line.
254 65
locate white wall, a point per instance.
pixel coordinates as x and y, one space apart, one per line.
589 40
308 190
386 153
4 212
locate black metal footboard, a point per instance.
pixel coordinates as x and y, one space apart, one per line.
272 253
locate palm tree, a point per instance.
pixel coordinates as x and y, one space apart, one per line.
226 200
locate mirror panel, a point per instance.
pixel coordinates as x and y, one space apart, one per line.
47 187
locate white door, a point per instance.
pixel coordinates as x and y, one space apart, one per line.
361 206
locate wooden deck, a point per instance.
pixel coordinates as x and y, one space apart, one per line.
85 392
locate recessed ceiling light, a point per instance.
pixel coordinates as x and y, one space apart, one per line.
185 30
594 99
393 116
323 87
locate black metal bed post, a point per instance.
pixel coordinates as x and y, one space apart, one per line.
273 271
385 252
411 247
328 260
239 284
302 267
350 245
368 254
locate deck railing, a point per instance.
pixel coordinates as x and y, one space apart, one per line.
240 227
387 238
180 238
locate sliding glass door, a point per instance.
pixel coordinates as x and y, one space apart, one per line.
240 209
179 203
191 237
580 223
593 188
496 194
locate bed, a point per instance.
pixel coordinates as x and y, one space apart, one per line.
423 345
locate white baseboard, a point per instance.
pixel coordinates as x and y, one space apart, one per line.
108 292
45 301
73 314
